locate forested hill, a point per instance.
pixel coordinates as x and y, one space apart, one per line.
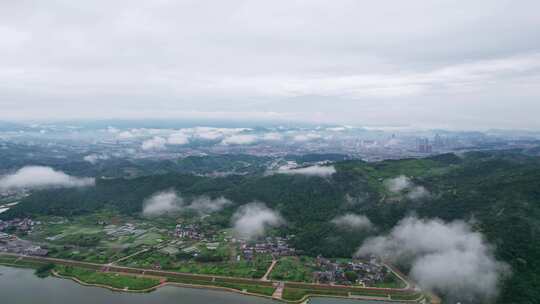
498 191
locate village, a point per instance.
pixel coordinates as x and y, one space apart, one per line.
365 273
191 241
10 243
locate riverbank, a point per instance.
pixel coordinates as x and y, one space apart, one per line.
293 292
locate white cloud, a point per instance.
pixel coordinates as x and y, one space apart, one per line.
446 257
252 220
169 201
353 221
179 138
211 133
205 204
398 184
240 139
310 171
93 158
418 192
162 203
125 135
156 143
272 136
336 129
43 177
306 137
403 184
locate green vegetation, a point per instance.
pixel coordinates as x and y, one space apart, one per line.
391 281
16 262
44 270
263 288
296 269
114 280
499 190
295 292
224 267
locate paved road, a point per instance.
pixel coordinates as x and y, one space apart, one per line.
278 293
265 276
127 257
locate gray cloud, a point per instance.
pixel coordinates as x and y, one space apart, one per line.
319 61
446 257
353 221
43 177
252 220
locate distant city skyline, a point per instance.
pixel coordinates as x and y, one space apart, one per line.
414 64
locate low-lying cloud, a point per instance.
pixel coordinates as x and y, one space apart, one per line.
306 137
178 138
204 204
252 220
449 258
162 203
240 139
94 158
43 177
316 170
155 143
169 201
353 221
403 185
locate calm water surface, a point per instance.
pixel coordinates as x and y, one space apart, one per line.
21 286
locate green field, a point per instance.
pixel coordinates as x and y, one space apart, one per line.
295 269
225 267
391 281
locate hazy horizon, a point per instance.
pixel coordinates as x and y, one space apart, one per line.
416 64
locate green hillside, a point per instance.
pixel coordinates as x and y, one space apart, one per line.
498 191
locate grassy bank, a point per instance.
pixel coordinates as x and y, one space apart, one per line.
133 280
113 280
296 291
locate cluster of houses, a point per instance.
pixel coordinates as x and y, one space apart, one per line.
188 231
12 244
18 224
126 229
366 273
276 246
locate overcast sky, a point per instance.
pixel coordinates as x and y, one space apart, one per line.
456 64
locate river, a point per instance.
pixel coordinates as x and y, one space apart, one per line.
21 286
